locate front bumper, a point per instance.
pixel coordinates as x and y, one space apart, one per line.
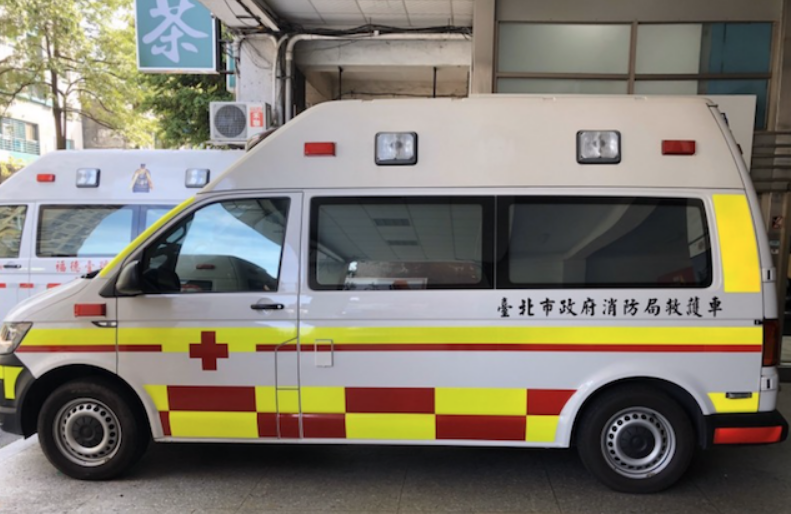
754 428
15 380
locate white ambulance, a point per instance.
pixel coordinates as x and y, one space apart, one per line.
69 212
494 271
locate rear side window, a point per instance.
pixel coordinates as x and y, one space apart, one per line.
595 242
392 243
84 230
12 222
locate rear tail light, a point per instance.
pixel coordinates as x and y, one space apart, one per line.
771 354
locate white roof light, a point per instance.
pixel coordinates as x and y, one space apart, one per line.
88 177
598 147
197 177
396 148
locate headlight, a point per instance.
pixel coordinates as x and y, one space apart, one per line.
11 335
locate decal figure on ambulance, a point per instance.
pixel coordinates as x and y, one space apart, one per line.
141 180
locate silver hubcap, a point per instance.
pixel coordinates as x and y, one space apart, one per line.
87 432
638 442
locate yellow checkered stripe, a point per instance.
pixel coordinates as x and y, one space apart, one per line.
8 376
487 414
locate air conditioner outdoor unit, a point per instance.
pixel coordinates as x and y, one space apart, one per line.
236 122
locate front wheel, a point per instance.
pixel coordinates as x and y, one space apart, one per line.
636 440
89 431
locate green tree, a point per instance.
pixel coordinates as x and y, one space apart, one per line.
181 104
78 55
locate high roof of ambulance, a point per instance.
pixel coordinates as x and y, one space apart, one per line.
493 141
166 169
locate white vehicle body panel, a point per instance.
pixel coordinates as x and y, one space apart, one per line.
317 366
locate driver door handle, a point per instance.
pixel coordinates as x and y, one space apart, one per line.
12 266
267 306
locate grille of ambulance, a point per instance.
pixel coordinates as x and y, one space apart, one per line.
384 413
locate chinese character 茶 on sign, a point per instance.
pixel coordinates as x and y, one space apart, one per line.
175 35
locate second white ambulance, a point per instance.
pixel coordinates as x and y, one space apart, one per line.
70 212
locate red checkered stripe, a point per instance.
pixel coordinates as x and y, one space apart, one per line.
360 413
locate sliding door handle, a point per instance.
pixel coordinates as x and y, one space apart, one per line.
267 306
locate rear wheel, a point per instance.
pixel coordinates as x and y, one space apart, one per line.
91 432
636 440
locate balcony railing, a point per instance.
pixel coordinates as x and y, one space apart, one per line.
20 145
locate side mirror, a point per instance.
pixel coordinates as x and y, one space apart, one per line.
128 282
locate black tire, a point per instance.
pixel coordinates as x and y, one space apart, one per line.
636 440
90 431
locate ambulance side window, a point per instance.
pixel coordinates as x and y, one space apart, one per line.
12 221
603 242
230 246
401 243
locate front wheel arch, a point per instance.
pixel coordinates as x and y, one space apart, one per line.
676 392
45 385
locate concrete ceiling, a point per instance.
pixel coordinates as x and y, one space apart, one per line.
351 13
340 14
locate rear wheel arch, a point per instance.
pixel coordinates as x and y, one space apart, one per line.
45 385
676 392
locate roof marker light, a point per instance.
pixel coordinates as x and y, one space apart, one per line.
678 147
45 177
396 148
319 149
88 177
598 147
197 177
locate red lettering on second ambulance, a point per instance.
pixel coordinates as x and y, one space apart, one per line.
75 266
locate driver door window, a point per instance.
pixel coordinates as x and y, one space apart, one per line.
230 246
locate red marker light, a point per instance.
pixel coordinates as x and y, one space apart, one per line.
90 309
678 147
747 435
316 149
45 177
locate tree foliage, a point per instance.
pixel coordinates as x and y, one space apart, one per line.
181 104
78 55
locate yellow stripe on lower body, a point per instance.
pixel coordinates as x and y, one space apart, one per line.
740 264
723 404
159 395
10 375
479 401
323 400
400 427
214 425
541 429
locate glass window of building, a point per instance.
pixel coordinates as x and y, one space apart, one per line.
669 59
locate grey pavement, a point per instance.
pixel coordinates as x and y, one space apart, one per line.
6 439
213 478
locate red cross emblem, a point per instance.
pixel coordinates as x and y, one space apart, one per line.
208 351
